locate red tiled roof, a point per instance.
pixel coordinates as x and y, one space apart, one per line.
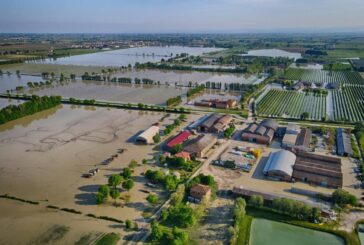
178 139
182 154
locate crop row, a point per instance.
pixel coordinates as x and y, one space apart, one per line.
320 76
292 104
348 104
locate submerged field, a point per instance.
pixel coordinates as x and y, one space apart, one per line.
149 94
43 156
266 232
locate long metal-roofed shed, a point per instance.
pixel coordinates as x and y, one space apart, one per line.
343 143
178 139
146 137
280 165
318 169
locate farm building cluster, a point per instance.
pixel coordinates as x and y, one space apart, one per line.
306 167
216 103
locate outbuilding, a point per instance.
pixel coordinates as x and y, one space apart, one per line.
280 165
146 137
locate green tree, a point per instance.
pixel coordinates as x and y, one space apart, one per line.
256 201
343 198
305 115
144 161
157 138
128 184
157 232
176 148
152 199
133 163
129 224
104 190
115 194
115 180
127 173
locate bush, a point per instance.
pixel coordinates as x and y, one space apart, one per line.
256 201
342 198
152 199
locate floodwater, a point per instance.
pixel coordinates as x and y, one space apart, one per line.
9 82
5 102
43 156
148 94
267 232
273 53
184 77
124 57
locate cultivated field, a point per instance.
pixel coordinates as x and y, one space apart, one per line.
348 104
292 104
320 76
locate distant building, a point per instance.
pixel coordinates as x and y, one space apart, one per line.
343 143
199 146
333 86
146 137
221 104
262 133
208 123
199 192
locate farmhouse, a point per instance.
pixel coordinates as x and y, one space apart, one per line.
183 154
343 143
215 123
296 138
318 169
199 146
208 123
221 104
178 139
146 137
221 124
280 165
199 192
304 139
262 133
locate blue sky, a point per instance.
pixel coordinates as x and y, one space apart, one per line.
135 16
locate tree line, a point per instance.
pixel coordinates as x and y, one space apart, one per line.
35 104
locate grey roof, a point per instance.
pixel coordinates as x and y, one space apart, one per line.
209 122
343 142
261 130
280 162
270 123
252 127
200 143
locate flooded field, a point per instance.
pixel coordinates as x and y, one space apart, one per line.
273 53
43 156
266 232
184 77
149 94
124 57
9 82
6 102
